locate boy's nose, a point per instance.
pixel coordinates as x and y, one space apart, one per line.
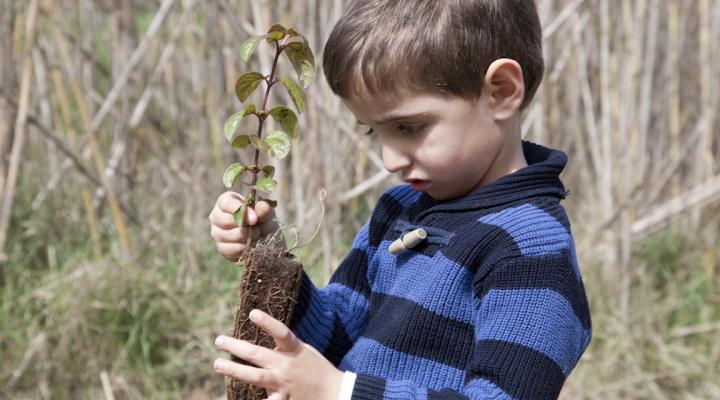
394 159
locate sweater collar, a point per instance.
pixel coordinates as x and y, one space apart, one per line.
541 178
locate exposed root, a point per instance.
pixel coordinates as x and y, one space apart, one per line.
271 282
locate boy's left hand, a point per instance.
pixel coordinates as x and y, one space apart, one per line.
284 370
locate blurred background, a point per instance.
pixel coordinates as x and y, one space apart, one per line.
112 152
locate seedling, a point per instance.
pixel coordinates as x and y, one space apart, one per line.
272 277
277 143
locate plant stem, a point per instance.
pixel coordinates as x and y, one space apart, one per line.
262 116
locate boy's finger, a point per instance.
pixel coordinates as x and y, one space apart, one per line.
229 202
284 338
264 211
275 396
231 251
251 216
254 376
257 355
222 219
226 220
235 235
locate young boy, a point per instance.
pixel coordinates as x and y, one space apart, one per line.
490 304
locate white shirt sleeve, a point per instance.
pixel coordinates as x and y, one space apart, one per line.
348 384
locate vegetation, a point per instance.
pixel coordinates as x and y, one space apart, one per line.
110 285
277 143
271 276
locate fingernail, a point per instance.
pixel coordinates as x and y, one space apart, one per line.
218 341
255 315
220 364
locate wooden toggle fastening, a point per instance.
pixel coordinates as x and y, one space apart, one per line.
408 241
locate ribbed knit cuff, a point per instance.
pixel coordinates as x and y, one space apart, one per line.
368 387
348 383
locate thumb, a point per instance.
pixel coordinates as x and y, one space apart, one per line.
251 216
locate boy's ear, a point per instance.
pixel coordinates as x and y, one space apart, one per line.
505 87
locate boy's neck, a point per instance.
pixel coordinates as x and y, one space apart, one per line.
510 158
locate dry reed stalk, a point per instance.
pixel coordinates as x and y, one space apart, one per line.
36 345
707 193
7 75
623 114
649 55
106 385
215 104
708 110
608 191
4 133
607 100
20 125
696 329
163 62
60 145
97 158
674 91
132 62
600 200
62 100
47 116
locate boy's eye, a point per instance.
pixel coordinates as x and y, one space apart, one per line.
369 132
409 129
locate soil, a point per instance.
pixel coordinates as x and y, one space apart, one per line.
271 282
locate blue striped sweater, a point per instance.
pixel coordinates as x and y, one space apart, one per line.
490 306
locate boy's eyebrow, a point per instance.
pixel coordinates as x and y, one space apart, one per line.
396 117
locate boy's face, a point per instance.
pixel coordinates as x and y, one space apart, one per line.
445 146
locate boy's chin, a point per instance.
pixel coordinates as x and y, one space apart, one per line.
442 195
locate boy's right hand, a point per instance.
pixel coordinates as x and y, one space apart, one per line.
230 239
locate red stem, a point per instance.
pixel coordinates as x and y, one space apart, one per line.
262 114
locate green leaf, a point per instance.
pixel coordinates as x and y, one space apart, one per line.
287 120
246 84
279 143
268 171
276 33
266 185
241 142
296 94
260 144
231 173
248 47
232 124
239 215
303 60
249 110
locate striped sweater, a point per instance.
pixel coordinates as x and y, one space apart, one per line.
490 306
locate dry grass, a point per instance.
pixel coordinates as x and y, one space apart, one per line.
111 161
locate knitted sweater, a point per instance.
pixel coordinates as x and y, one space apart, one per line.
490 306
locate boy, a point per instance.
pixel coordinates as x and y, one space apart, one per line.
490 305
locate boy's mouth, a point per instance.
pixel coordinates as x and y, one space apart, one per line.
418 184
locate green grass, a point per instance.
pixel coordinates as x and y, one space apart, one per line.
652 355
150 320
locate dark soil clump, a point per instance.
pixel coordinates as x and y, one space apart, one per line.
270 283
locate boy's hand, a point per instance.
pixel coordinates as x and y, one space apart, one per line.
230 239
284 370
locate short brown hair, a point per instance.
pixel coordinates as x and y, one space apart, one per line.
433 45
